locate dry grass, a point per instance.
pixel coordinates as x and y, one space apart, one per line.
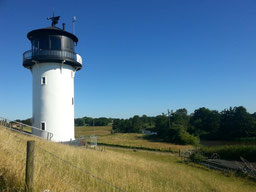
126 139
89 130
137 140
28 129
131 171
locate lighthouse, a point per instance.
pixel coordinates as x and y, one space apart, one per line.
53 63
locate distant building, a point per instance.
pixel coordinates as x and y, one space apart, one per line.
147 132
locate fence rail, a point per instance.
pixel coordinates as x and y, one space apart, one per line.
215 162
23 128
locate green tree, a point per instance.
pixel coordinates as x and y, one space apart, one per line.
205 122
79 122
236 123
180 117
26 121
137 124
161 126
174 128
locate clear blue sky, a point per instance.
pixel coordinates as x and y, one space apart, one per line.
140 56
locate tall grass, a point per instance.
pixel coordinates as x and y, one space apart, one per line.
129 170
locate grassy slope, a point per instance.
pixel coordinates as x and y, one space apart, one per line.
131 171
125 139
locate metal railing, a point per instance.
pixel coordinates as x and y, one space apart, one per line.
59 54
26 129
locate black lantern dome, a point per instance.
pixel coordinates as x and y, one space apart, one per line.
52 44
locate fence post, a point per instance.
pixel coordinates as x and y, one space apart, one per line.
29 166
179 152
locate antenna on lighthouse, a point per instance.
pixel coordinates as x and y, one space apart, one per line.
73 24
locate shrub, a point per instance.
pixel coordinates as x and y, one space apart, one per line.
188 139
196 157
232 152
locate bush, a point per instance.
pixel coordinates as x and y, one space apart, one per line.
232 152
248 140
187 139
196 157
178 135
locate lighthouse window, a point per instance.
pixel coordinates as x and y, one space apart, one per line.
55 42
35 45
43 80
72 100
67 44
44 43
43 126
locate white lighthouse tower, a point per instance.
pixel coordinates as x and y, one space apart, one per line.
53 63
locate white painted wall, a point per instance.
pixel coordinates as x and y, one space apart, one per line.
52 102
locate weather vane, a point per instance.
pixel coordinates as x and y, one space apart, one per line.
54 19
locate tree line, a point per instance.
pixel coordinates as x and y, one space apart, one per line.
26 121
183 128
89 121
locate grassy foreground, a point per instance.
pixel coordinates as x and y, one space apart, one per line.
129 170
126 139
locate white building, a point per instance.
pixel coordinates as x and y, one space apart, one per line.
53 63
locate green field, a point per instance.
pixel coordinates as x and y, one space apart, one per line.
125 139
126 169
89 130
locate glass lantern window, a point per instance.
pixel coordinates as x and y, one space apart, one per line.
55 42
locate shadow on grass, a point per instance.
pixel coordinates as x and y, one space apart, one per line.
137 148
152 138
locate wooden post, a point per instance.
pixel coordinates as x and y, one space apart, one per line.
179 152
30 166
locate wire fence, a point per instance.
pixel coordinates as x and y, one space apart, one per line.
80 169
215 162
46 166
44 158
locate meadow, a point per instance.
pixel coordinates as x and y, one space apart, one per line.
129 140
90 130
114 169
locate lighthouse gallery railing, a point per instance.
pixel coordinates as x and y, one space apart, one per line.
53 54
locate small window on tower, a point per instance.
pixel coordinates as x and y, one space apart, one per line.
72 100
43 80
43 126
